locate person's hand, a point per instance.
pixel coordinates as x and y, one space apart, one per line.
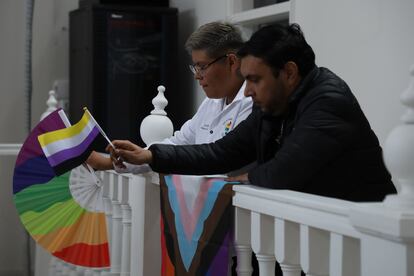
99 162
128 152
243 178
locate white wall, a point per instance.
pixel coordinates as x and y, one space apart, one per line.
370 44
11 70
13 241
50 62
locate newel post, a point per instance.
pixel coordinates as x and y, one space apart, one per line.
387 243
157 126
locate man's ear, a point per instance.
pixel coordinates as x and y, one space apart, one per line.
292 73
234 61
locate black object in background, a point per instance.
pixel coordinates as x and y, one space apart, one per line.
262 3
118 57
141 3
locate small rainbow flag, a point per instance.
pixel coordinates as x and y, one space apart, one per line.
68 148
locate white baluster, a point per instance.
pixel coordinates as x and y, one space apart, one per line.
287 235
51 104
88 272
314 251
145 237
81 270
242 242
157 126
345 257
73 271
66 269
107 179
387 246
116 237
123 198
262 236
52 266
59 268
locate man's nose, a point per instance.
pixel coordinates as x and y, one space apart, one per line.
248 91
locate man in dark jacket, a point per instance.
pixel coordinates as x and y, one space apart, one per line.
307 131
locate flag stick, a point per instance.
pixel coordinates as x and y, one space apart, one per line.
99 128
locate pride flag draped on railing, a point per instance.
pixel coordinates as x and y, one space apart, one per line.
69 147
196 225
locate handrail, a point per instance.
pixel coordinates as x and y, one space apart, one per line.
9 149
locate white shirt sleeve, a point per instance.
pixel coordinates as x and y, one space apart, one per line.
187 133
184 136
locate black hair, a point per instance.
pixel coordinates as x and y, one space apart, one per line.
279 44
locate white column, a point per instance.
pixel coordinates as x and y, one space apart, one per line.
287 249
88 272
123 198
66 269
59 268
52 266
116 236
107 178
314 251
345 257
145 217
242 243
74 271
263 242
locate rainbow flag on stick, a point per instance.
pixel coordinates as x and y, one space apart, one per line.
68 148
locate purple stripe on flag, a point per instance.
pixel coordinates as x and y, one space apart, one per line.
221 262
67 154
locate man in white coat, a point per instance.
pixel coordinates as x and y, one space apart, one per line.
216 67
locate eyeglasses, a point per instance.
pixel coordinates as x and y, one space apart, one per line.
201 69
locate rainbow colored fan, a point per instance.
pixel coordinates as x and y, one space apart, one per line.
64 214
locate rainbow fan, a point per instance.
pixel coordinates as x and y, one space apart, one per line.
64 216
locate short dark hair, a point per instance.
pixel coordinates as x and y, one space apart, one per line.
216 38
278 44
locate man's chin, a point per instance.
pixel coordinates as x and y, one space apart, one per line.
269 112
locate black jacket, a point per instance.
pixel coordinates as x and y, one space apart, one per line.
322 145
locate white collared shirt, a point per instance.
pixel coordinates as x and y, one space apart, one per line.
213 120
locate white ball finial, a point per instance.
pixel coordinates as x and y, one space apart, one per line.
157 126
161 88
399 153
51 103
